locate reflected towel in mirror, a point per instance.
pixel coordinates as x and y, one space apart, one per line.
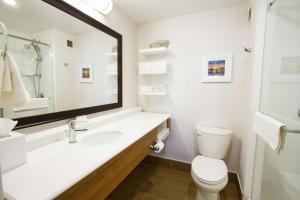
12 89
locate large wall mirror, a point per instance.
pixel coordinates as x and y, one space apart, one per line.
70 63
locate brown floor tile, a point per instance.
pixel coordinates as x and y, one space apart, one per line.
158 179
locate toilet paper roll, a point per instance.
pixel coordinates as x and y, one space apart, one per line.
158 147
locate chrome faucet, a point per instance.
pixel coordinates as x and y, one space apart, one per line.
73 130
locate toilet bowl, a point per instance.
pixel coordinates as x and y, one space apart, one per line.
209 171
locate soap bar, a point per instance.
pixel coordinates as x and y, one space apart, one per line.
13 152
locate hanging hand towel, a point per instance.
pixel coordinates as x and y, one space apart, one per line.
270 130
12 90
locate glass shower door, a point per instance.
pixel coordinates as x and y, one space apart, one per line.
277 176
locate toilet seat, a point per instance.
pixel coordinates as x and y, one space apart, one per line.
209 170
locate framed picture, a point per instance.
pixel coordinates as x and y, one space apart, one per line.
217 68
286 66
86 74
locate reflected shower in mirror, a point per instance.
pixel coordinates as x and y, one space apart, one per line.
65 63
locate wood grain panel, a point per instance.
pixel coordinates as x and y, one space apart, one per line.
169 123
100 183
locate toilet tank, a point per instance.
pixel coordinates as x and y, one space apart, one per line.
213 142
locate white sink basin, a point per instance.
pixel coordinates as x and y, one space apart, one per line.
101 138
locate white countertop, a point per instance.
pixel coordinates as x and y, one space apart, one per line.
52 169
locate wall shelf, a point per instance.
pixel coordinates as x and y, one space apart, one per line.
153 68
112 92
153 51
111 74
153 73
153 93
113 54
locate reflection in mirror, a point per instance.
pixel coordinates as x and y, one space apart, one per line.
65 63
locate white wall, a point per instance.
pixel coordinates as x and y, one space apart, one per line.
191 102
91 49
128 29
64 76
255 40
88 48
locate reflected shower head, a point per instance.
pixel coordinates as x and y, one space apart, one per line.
27 46
37 49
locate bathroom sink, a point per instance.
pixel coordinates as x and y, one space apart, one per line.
101 138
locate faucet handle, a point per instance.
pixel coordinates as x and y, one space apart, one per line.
72 124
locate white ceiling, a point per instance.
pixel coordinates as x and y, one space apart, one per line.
142 11
31 16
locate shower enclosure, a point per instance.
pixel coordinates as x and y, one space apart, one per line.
277 176
35 62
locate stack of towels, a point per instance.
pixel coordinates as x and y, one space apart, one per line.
271 130
12 90
160 43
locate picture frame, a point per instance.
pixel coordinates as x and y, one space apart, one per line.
86 73
217 68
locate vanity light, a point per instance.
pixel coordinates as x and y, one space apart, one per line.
103 6
10 2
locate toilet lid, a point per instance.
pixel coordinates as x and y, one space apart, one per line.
209 170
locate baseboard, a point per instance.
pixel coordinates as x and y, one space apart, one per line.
169 158
159 161
239 183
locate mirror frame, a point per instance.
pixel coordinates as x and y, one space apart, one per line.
35 120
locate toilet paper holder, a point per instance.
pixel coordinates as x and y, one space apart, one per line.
153 147
157 147
161 137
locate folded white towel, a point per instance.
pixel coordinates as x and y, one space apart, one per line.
270 130
12 90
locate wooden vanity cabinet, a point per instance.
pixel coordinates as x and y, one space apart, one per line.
100 183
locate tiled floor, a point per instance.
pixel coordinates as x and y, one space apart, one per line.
160 179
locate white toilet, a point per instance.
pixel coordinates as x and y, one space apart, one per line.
209 171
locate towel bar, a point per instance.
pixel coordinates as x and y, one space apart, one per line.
291 130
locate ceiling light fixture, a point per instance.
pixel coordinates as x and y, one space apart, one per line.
102 6
10 2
